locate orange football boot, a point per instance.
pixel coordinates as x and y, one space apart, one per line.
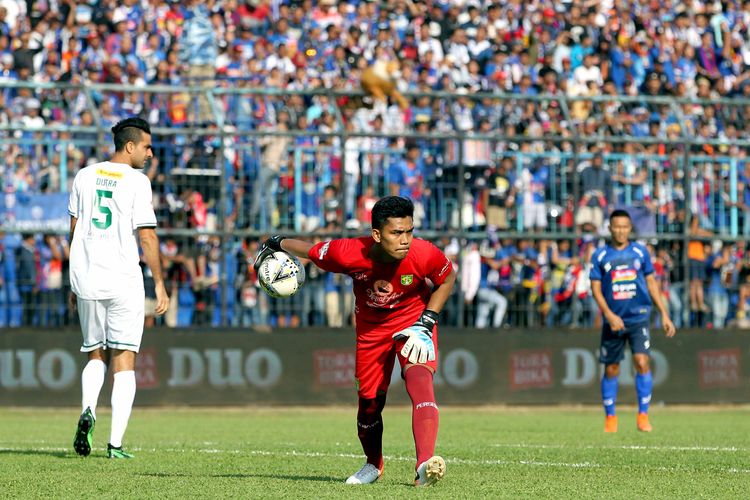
610 423
643 424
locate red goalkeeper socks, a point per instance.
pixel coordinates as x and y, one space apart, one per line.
425 417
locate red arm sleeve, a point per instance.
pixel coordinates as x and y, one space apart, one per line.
334 255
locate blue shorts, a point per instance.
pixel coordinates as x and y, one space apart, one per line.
612 346
697 269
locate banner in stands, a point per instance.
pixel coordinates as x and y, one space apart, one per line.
316 367
35 212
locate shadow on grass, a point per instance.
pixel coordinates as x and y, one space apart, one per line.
293 477
324 479
163 474
49 453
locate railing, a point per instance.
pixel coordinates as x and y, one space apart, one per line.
217 167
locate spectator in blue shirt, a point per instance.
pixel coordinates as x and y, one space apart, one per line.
406 177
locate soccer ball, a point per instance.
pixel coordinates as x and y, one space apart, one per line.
281 275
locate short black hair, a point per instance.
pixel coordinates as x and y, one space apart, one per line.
620 213
129 129
391 206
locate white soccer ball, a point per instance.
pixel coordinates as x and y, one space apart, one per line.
281 275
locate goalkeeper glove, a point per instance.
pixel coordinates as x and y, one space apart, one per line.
267 249
418 347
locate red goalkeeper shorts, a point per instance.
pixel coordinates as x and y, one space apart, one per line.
375 355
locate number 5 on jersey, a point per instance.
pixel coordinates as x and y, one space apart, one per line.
100 194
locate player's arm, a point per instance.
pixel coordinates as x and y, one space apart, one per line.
441 294
614 320
73 222
278 243
298 248
655 293
150 246
72 303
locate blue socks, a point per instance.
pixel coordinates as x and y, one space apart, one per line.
643 386
609 394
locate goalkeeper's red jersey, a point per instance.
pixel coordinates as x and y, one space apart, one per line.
388 296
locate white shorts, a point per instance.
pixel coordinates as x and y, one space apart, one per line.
112 323
534 215
590 215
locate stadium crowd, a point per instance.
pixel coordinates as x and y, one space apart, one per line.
574 48
504 283
305 182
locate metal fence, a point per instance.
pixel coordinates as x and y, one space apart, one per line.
219 189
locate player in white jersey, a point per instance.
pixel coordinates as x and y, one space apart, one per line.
110 202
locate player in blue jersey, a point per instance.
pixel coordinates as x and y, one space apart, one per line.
624 287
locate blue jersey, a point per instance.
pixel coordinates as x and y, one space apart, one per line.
623 277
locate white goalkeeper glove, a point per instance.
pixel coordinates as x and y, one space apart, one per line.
418 347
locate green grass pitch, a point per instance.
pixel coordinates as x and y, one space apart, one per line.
491 452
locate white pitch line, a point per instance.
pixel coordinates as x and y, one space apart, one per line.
461 461
621 447
636 447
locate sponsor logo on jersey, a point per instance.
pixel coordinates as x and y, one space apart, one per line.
382 288
407 279
380 299
623 284
624 292
624 275
109 173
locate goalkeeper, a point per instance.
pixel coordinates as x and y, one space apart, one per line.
400 286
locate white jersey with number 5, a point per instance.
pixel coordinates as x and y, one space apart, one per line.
111 201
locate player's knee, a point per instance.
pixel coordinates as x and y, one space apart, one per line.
369 411
641 363
612 370
371 406
412 371
99 354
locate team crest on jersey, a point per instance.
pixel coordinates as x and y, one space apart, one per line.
407 279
